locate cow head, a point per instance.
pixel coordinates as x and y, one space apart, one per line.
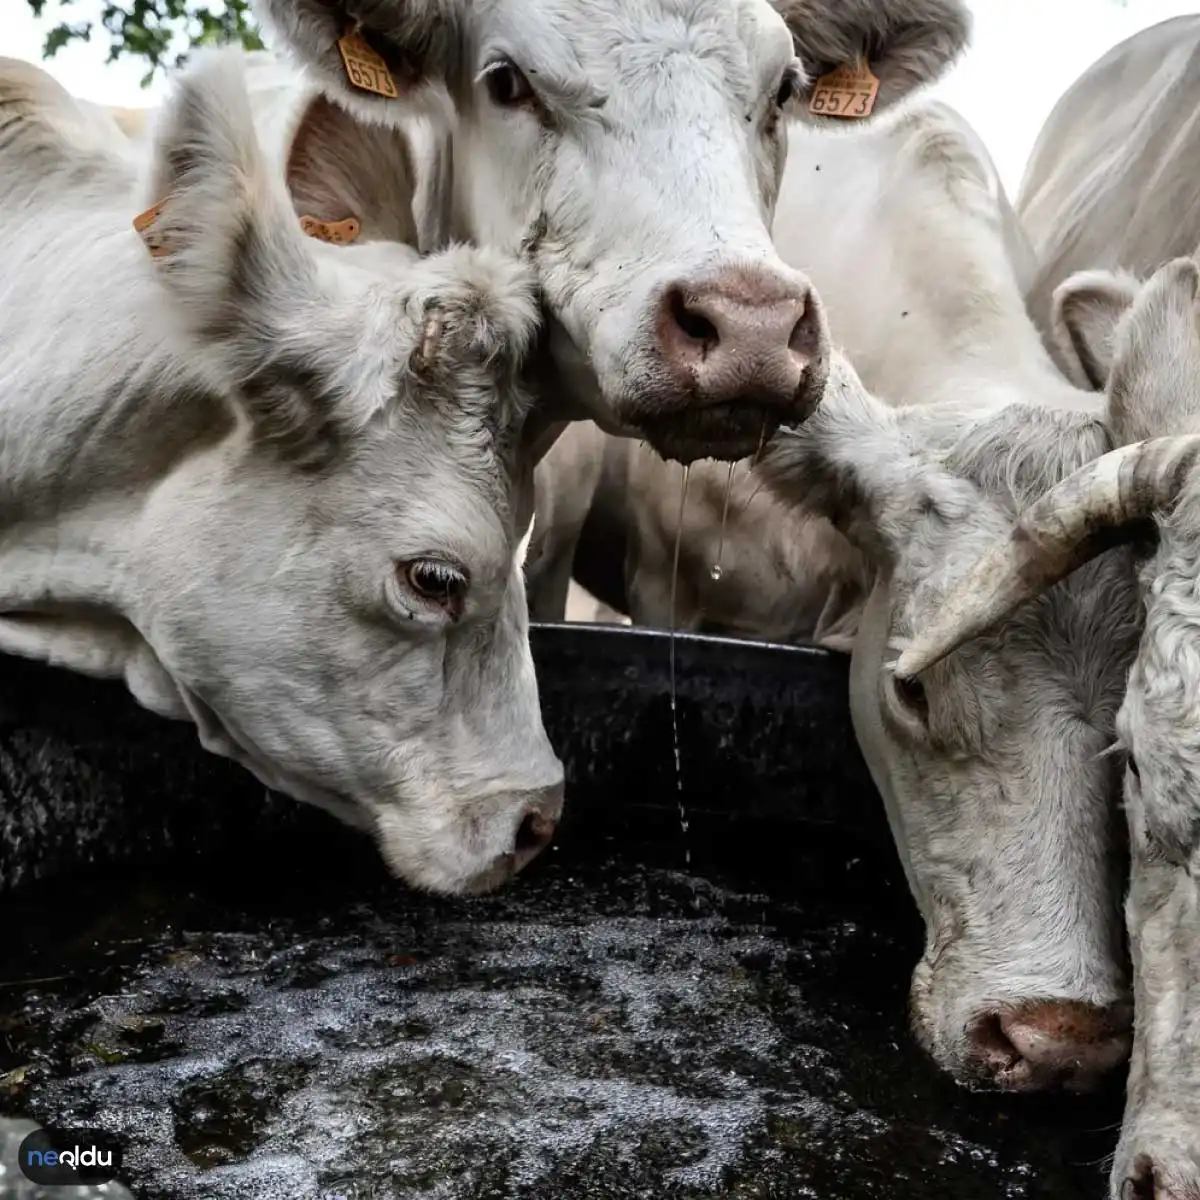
331 586
1001 803
1142 345
633 150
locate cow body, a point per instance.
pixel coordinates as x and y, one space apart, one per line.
1005 818
1110 182
749 565
270 483
1141 344
565 483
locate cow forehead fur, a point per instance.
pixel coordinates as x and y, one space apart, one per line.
622 48
582 54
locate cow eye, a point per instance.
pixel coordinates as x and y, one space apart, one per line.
787 89
507 85
911 693
439 582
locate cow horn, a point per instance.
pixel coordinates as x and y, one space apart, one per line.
1081 517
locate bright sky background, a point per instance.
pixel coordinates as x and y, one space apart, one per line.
1025 54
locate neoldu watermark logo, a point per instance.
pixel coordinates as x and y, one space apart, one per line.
59 1157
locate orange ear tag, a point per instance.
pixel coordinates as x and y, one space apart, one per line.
337 233
144 224
848 91
364 68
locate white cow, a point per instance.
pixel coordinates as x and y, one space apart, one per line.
1144 344
1111 181
270 483
845 211
632 151
1005 816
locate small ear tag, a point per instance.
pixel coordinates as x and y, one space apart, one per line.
848 91
337 233
364 68
144 224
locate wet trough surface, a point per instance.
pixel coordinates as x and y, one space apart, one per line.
274 1018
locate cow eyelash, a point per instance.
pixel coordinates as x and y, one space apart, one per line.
506 83
437 583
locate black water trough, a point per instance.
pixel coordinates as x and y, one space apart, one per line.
230 982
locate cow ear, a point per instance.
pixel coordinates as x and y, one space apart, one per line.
1085 312
221 227
226 246
405 58
853 463
338 168
1154 385
907 43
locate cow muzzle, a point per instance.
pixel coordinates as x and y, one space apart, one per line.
738 355
534 832
1046 1044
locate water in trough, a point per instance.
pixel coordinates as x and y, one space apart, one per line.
264 1015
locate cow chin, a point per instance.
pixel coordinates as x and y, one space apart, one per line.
726 432
684 422
443 858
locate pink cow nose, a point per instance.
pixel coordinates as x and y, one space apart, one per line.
1048 1043
1149 1182
745 335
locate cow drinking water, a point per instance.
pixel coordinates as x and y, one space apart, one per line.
952 419
270 483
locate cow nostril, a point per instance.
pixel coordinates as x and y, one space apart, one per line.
534 834
1046 1043
697 326
806 334
991 1045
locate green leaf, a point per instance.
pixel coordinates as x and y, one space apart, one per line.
158 32
64 34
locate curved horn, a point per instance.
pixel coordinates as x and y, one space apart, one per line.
1078 519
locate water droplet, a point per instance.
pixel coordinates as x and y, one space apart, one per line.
683 821
717 570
